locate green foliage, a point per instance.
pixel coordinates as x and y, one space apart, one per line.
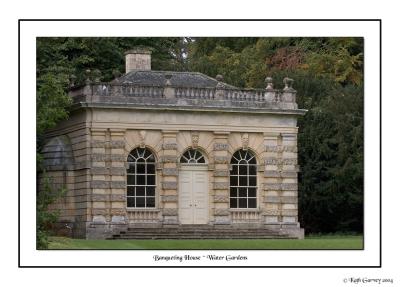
45 217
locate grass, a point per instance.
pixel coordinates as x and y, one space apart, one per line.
311 242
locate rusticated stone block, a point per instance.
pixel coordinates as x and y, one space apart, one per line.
99 211
170 171
99 170
170 211
289 186
272 186
221 212
99 157
221 159
272 212
221 198
97 143
118 211
169 198
168 158
285 148
221 173
117 144
290 174
280 186
117 157
169 146
117 171
221 220
289 212
99 197
118 184
117 197
220 146
221 185
289 199
169 185
272 173
100 184
280 161
272 199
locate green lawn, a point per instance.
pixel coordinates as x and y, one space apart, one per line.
312 242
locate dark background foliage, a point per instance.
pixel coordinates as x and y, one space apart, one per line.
328 74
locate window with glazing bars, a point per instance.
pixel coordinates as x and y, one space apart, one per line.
243 180
141 179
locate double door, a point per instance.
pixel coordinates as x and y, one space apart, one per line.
193 195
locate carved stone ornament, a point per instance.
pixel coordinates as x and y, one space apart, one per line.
195 140
245 141
142 135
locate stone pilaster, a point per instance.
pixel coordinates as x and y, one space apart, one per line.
270 205
221 178
100 187
169 179
117 175
289 171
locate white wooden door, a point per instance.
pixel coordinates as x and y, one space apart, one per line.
193 196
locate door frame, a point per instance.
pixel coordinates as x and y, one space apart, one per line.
195 167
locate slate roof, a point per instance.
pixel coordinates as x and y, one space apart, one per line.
178 79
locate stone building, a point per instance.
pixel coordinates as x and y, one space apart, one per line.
178 150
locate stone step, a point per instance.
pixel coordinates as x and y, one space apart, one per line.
198 232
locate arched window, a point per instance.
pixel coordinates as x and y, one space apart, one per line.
192 156
243 180
141 179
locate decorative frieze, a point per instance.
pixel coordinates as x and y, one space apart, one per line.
169 159
221 185
170 146
169 185
170 211
118 184
221 198
280 186
284 148
220 146
221 173
169 198
280 161
170 171
221 212
221 159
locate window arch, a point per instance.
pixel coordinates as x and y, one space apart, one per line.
193 156
243 180
141 179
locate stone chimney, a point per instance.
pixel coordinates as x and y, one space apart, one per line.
138 58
